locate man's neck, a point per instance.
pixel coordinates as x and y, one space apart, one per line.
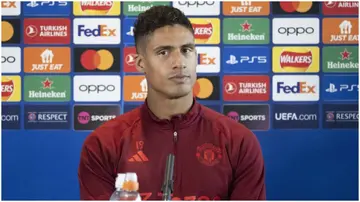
164 108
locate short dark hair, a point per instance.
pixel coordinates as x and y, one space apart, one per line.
157 17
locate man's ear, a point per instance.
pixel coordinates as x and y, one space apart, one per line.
140 67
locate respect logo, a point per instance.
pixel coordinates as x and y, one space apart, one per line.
206 30
295 59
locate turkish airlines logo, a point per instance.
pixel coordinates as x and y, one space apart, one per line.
250 88
47 30
129 59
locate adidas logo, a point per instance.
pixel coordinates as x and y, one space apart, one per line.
138 157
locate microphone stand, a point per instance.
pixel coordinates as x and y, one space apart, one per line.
168 186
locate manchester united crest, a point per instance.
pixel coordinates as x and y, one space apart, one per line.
208 154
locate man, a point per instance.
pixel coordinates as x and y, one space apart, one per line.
215 157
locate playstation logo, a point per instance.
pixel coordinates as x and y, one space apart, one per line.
32 4
232 60
332 88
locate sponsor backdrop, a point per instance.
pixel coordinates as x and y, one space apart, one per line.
286 70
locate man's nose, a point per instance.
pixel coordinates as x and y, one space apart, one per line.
178 59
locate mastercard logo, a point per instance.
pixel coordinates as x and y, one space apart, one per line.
298 6
97 59
203 88
7 31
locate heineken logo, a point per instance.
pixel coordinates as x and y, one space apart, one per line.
340 59
246 31
50 88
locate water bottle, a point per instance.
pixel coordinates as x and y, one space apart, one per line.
130 191
118 187
127 187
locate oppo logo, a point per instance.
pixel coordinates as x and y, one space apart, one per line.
295 30
196 3
9 59
96 88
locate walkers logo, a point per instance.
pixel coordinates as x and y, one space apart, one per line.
128 30
243 59
136 7
254 117
295 7
249 88
208 59
129 59
340 116
207 88
340 8
10 88
195 8
99 8
97 59
97 88
47 8
10 59
296 30
47 117
46 31
295 88
340 59
302 116
90 117
340 31
340 88
47 60
10 117
296 59
10 8
47 88
10 31
246 30
246 8
97 31
206 30
136 88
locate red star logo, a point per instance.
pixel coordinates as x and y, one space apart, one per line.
246 26
346 54
47 83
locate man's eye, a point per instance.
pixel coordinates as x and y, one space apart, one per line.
187 50
163 52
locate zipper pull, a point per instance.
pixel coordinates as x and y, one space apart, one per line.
175 136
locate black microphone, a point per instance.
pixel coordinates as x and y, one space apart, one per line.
168 186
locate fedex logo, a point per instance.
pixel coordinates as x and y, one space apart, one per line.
101 30
300 87
295 88
96 31
204 59
208 59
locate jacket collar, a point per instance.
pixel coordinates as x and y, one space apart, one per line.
177 121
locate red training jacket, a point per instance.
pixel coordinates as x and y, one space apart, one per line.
216 158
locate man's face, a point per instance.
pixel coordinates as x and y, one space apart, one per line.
169 61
